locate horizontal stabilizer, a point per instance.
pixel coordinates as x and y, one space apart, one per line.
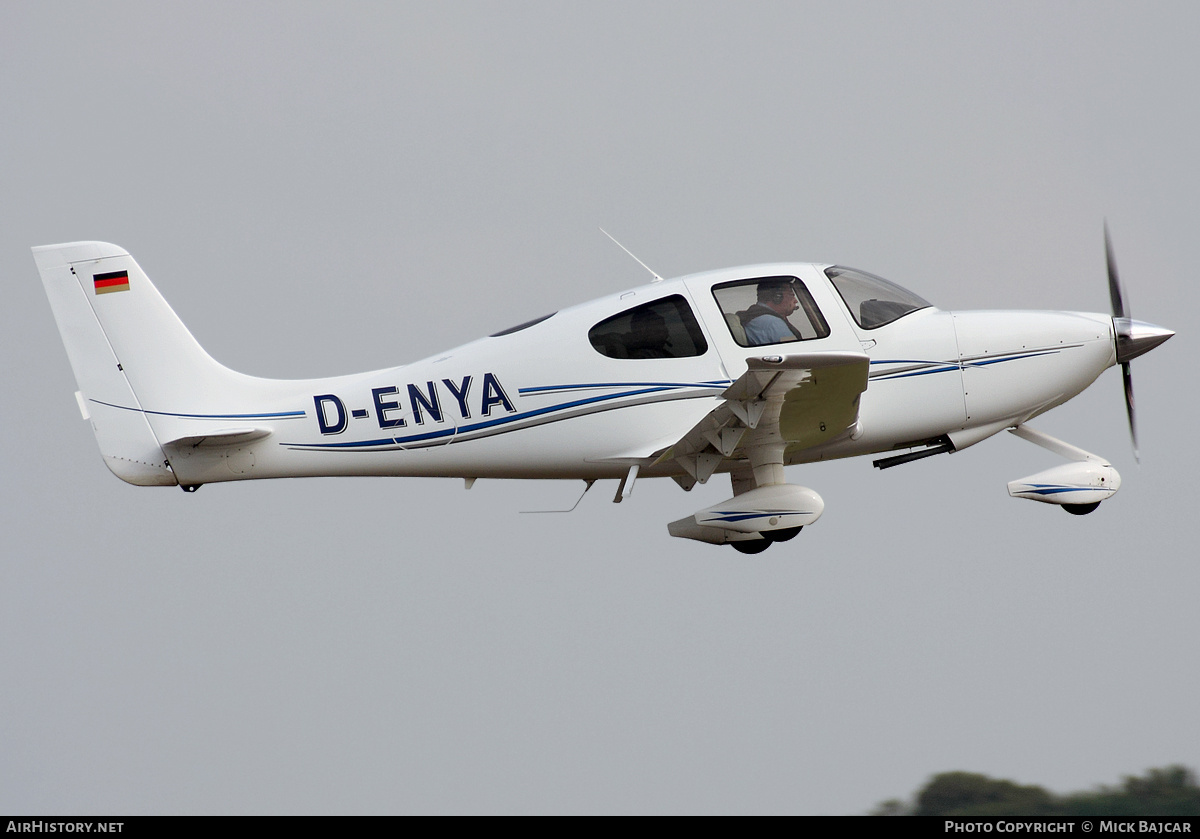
223 437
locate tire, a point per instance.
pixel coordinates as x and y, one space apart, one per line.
781 535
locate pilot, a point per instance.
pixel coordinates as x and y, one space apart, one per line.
766 321
648 335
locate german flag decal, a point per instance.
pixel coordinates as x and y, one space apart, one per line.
112 281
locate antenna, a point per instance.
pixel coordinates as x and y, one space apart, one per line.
656 279
580 498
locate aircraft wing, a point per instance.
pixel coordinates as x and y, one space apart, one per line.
790 401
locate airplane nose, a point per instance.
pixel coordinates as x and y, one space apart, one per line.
1135 337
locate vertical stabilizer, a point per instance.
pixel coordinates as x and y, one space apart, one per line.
128 349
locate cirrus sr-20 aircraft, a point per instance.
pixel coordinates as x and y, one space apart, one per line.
741 371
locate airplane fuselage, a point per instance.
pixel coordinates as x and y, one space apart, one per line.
744 371
545 402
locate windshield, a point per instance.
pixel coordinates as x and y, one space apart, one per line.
873 301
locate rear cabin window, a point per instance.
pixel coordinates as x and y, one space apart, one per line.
665 328
770 310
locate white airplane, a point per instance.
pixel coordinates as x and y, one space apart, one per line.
740 371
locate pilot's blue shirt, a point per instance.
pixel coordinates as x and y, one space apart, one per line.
768 329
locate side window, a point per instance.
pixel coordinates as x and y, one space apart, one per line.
770 310
665 328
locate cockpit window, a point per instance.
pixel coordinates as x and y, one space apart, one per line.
665 328
873 301
770 310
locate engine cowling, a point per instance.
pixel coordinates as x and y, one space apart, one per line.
1080 483
779 507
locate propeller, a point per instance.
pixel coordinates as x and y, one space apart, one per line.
1133 337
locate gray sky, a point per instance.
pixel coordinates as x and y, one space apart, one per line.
321 189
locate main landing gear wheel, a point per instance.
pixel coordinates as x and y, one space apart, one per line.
751 546
1081 509
781 535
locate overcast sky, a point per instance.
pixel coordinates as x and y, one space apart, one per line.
322 188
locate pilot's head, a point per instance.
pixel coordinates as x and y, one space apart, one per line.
779 296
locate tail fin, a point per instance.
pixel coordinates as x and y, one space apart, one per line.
129 351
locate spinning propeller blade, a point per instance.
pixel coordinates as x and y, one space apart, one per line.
1133 337
1115 292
